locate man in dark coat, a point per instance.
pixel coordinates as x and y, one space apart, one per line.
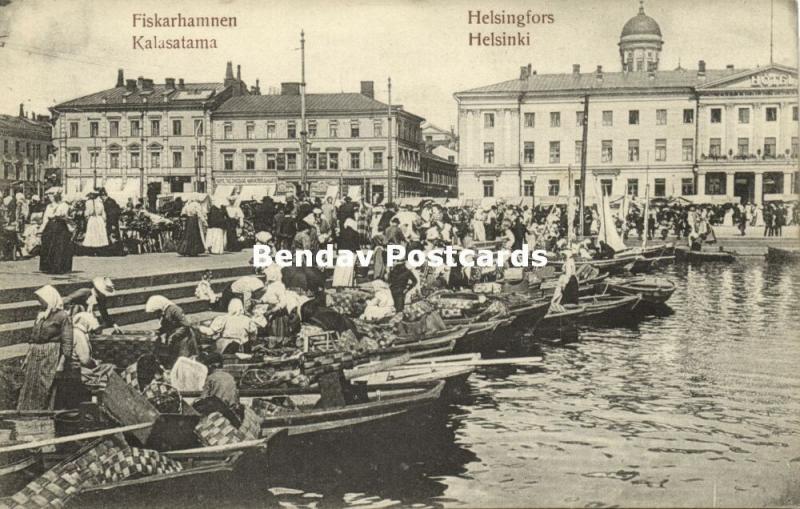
113 212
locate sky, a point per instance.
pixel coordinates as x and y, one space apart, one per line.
56 50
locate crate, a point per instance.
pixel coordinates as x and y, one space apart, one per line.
326 342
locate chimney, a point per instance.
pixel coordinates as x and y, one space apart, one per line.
368 89
180 83
599 73
729 67
701 68
120 78
130 85
523 72
139 82
228 73
147 84
576 68
291 88
21 111
238 72
170 83
258 87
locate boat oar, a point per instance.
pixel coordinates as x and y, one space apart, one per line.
72 438
376 367
513 361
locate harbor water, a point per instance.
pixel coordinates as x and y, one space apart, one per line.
694 405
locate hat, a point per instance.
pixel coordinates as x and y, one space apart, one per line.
103 285
263 237
35 197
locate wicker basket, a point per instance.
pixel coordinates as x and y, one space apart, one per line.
215 429
123 349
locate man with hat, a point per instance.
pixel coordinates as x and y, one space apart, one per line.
93 298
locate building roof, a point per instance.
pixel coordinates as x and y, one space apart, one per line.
611 81
290 104
191 92
641 24
427 126
22 124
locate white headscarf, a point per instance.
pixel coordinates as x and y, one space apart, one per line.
156 303
351 223
235 307
273 273
51 299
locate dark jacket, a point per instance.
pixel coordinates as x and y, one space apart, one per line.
349 240
56 328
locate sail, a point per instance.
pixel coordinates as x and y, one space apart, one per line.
608 230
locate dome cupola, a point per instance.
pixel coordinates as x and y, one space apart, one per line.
640 43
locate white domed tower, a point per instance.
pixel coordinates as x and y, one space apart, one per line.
640 43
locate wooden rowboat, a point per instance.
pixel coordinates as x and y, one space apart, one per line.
652 289
777 254
686 254
453 370
593 306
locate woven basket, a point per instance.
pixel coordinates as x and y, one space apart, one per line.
123 349
251 424
215 429
139 463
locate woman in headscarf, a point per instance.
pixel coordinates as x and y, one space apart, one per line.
175 330
234 223
49 351
220 393
92 371
193 242
217 222
234 331
95 214
56 252
344 274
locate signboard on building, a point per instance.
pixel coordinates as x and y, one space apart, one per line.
243 180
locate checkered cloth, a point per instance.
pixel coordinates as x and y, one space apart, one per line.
215 429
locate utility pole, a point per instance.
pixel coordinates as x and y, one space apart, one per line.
584 138
390 158
303 132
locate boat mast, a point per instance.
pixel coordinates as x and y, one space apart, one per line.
303 132
584 137
646 199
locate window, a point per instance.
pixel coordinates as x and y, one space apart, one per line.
291 130
578 119
633 117
280 162
355 129
794 113
715 183
155 159
660 188
527 188
135 160
688 116
633 150
607 151
313 161
94 129
271 160
488 153
555 151
488 120
661 117
769 148
250 131
687 149
250 161
794 147
333 129
577 189
578 151
530 119
136 128
716 115
73 129
744 115
715 147
632 188
333 160
355 160
291 161
5 146
312 129
687 186
743 147
608 118
322 162
113 159
555 119
113 128
377 128
661 149
16 147
74 159
227 132
772 114
377 160
155 127
488 188
529 152
198 127
227 159
606 186
177 127
177 159
270 129
773 182
553 187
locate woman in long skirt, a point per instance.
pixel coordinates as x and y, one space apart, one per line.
56 252
345 275
215 237
96 236
193 243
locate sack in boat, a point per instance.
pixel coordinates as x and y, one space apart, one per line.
416 310
137 462
267 407
164 397
427 325
215 429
